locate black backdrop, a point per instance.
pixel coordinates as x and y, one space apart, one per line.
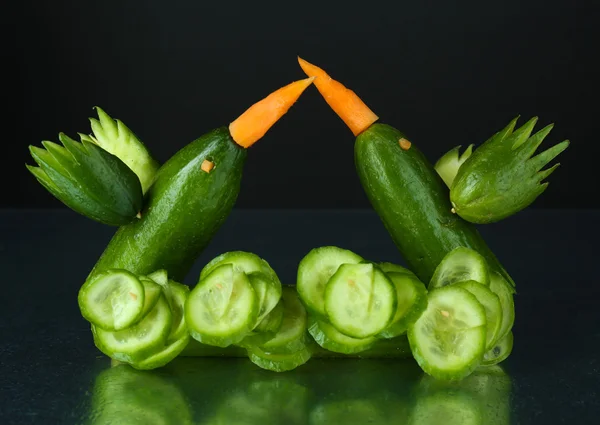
444 72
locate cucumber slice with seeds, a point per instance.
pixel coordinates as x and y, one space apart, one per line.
493 310
394 268
291 335
268 293
448 340
112 301
459 265
360 300
504 290
315 270
179 294
152 293
246 262
411 296
140 340
278 362
331 339
222 309
500 351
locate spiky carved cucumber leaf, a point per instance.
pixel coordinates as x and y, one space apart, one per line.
88 179
115 137
447 166
503 176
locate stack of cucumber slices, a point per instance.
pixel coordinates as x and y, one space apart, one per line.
136 319
342 305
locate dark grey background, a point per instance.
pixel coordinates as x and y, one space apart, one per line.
446 73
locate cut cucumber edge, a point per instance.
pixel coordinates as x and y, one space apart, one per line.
278 362
329 338
459 265
400 325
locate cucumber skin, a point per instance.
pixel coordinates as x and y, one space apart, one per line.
184 208
413 202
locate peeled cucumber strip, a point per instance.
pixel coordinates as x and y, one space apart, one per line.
394 268
136 342
447 166
459 265
268 293
112 301
331 339
222 309
360 300
504 290
493 309
164 356
411 296
291 335
152 293
500 351
278 362
315 270
448 340
246 262
179 295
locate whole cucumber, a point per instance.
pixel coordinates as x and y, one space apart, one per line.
184 208
413 202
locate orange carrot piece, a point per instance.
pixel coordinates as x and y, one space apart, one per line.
260 117
344 102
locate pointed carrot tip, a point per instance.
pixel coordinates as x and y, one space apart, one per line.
249 127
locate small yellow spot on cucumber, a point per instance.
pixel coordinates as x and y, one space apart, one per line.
133 296
404 144
445 313
207 166
219 286
453 210
139 215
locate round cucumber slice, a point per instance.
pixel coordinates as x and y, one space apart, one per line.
268 293
164 356
315 270
278 362
112 301
394 268
360 300
242 261
459 265
502 288
500 351
272 321
291 335
152 293
448 340
179 295
222 309
411 296
139 340
493 309
331 339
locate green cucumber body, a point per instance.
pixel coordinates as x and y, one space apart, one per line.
413 202
184 208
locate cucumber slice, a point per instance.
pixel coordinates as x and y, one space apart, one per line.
448 340
447 166
502 288
278 362
493 309
112 301
179 295
160 277
360 300
152 293
394 268
268 293
136 342
411 296
291 335
246 262
222 309
331 339
164 356
314 272
500 351
272 321
459 265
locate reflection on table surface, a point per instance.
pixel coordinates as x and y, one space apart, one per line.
215 391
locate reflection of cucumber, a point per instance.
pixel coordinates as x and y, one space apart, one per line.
448 408
347 412
124 396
